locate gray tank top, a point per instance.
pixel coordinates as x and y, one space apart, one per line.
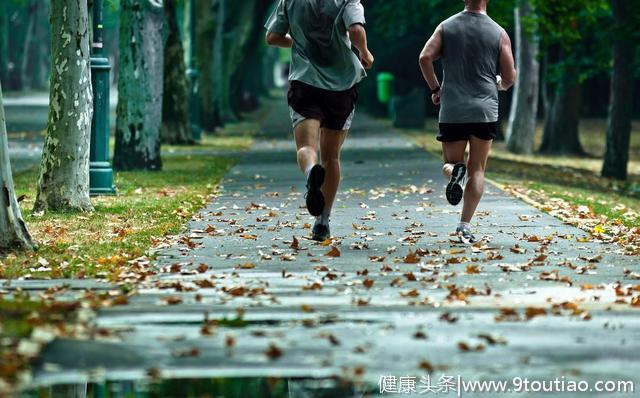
470 59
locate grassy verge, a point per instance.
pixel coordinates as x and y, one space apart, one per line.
571 183
149 207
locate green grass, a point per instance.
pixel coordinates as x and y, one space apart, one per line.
573 179
149 207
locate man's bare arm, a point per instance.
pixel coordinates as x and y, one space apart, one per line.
507 64
358 37
277 40
431 53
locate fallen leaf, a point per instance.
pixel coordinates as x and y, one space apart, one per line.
273 352
334 252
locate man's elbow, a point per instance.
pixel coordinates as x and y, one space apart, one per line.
426 57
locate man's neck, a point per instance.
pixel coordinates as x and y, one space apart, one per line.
477 8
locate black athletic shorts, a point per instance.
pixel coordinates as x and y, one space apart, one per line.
334 109
450 132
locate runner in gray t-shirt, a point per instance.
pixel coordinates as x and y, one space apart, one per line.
322 95
478 62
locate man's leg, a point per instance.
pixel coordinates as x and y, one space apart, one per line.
452 153
476 165
330 144
455 169
307 133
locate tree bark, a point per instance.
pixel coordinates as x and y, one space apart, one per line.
64 171
139 110
13 230
176 126
616 156
524 108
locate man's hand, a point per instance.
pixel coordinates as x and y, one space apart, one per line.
366 58
278 40
435 98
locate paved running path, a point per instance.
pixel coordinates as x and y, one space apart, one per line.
391 204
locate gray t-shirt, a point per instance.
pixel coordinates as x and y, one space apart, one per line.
470 59
321 55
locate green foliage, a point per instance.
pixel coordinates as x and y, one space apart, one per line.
395 19
574 36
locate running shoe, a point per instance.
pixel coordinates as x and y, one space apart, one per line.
315 198
465 236
320 232
454 189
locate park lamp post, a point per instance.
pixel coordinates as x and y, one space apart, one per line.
192 73
100 171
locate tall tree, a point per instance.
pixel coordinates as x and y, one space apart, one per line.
616 155
4 41
13 230
139 110
562 101
32 14
205 30
64 171
221 62
524 107
574 46
176 126
246 79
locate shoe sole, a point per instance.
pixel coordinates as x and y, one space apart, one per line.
315 198
320 238
454 192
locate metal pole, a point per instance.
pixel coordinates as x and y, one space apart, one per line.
100 171
192 73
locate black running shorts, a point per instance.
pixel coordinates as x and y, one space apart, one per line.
450 132
334 109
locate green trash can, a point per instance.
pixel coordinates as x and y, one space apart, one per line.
385 87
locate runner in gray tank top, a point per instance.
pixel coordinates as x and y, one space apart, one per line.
477 62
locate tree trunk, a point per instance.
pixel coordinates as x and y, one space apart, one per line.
64 171
13 231
32 8
616 155
524 108
176 126
139 110
205 31
222 53
247 75
562 112
40 50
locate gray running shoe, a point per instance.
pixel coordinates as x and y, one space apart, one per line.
465 236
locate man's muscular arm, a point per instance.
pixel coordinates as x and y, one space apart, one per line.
507 64
430 53
358 37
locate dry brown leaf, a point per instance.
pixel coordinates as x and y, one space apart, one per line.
334 252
